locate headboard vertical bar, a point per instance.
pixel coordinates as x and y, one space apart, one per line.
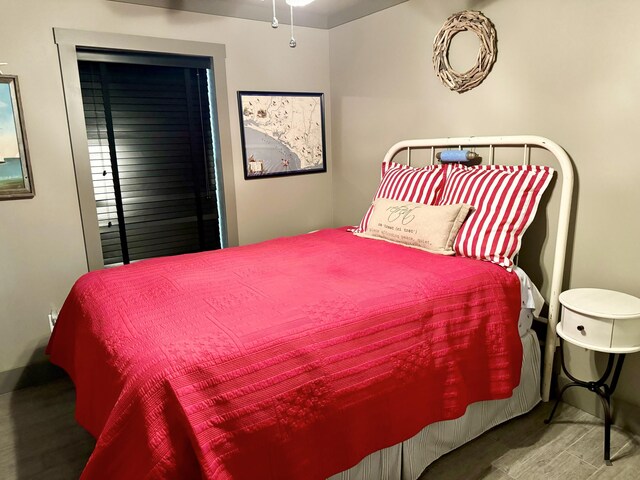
527 155
433 155
409 156
492 155
557 275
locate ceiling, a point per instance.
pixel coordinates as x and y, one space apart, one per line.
319 14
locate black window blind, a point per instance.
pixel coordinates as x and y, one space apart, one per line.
151 154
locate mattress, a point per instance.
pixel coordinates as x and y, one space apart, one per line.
407 460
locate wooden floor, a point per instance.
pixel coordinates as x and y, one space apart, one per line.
39 439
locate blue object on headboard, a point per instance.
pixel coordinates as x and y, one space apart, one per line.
456 156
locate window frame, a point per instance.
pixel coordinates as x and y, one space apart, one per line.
68 42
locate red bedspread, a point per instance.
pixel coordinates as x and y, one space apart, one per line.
288 359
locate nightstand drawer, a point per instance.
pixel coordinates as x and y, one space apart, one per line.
587 329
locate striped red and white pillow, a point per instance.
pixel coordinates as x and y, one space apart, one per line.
407 184
505 199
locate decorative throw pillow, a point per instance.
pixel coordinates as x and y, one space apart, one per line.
427 227
505 199
407 184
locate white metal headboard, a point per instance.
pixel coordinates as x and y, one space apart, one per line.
525 142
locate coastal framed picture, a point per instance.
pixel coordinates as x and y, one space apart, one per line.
15 170
282 133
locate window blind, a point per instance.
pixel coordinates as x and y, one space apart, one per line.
151 154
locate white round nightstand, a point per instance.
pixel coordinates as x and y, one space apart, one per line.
603 321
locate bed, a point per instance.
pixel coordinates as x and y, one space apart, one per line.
301 357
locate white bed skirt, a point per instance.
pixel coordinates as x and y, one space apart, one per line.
407 460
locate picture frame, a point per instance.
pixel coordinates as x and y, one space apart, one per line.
15 169
283 133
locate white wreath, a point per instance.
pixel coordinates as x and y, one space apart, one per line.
459 22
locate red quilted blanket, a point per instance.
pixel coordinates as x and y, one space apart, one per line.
288 359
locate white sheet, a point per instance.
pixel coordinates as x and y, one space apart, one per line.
531 301
529 293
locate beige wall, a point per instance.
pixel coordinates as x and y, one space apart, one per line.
41 243
565 70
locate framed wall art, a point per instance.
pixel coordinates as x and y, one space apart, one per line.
282 133
15 170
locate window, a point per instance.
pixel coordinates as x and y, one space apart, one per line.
151 149
73 44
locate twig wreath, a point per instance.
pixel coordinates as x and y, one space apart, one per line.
477 23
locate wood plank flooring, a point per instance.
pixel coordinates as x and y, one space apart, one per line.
570 448
39 439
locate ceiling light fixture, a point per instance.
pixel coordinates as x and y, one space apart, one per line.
298 3
291 3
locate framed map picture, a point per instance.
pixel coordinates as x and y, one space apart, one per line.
15 176
282 133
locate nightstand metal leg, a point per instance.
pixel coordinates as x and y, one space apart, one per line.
616 374
564 389
606 406
600 388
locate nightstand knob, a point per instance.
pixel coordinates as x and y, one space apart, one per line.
580 328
